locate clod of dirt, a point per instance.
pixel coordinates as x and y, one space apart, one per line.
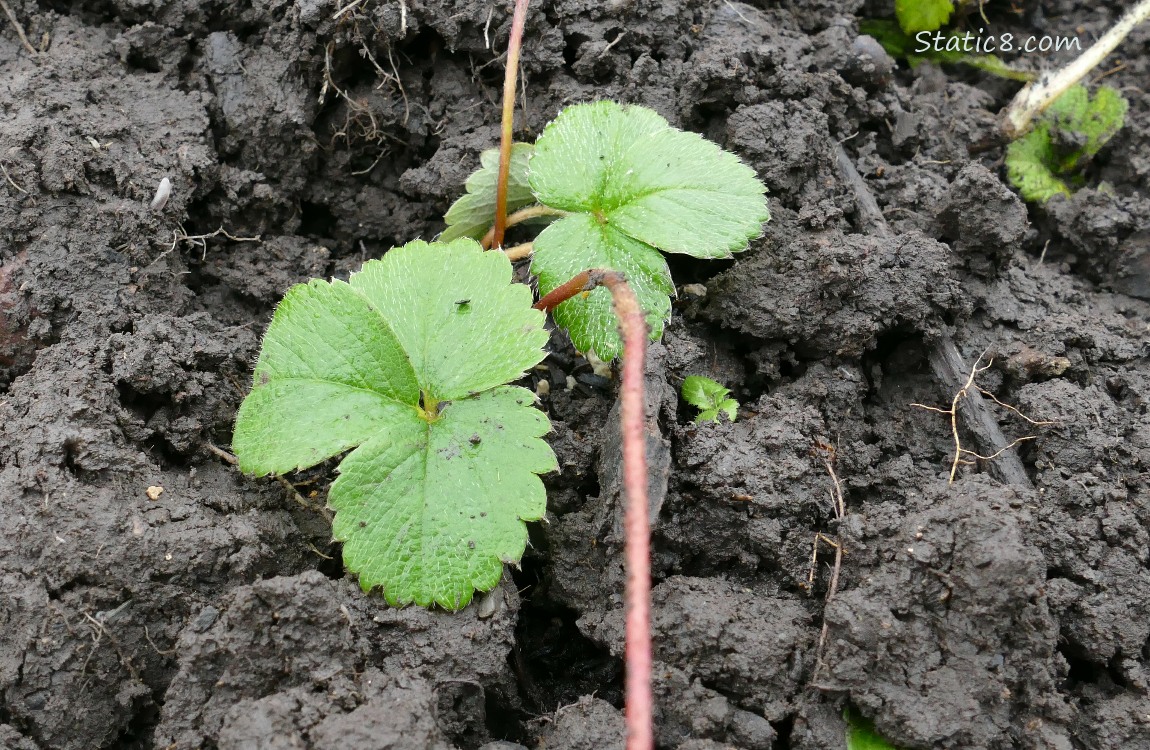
955 619
828 293
294 648
589 724
704 625
983 219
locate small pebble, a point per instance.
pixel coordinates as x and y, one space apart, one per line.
154 492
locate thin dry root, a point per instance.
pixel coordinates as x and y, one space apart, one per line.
961 453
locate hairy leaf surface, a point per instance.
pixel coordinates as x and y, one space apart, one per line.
408 360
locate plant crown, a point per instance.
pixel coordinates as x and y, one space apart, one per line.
407 363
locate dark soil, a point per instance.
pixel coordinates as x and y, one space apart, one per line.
1010 609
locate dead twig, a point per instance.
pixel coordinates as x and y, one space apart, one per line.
838 503
8 177
19 29
1035 97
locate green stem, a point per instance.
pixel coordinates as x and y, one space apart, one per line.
520 216
513 46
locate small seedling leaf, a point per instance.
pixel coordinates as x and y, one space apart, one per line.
578 242
474 213
862 736
1071 132
710 397
634 185
408 360
922 15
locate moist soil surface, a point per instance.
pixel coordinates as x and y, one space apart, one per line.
151 597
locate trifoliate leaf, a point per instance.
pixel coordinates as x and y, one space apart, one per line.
1070 133
710 397
409 360
638 184
578 242
861 735
922 15
474 213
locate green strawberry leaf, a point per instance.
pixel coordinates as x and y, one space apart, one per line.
635 185
474 213
1030 166
710 397
408 360
922 15
578 242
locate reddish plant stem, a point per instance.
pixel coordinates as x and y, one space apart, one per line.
637 533
513 46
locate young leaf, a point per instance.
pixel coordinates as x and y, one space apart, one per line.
861 735
922 15
408 360
710 397
642 186
1070 133
474 213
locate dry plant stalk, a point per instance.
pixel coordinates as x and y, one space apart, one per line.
1037 96
518 20
952 412
636 525
838 503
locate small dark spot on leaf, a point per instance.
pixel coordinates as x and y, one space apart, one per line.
363 524
483 514
462 302
347 416
475 439
264 378
471 543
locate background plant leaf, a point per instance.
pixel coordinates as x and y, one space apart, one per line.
922 15
862 736
474 213
710 397
634 185
901 45
1072 131
408 360
578 242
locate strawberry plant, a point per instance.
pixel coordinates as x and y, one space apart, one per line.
619 186
407 365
